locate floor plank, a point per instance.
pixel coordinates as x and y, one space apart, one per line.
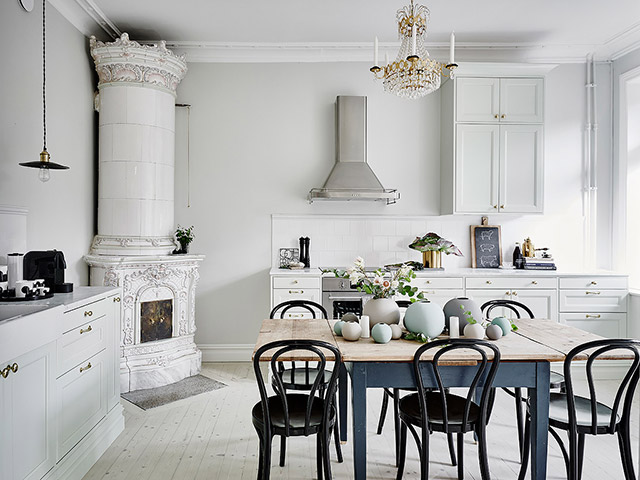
210 436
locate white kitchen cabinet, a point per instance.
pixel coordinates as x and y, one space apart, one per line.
28 426
288 287
499 100
492 145
114 333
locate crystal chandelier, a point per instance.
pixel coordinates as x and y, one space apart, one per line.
413 74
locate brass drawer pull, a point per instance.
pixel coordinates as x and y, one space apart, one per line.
501 206
293 315
428 292
116 299
85 330
295 291
593 282
295 282
9 368
592 316
514 293
489 282
82 369
495 116
428 282
507 293
88 313
502 116
592 293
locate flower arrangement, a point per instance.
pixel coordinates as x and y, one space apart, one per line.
432 242
382 283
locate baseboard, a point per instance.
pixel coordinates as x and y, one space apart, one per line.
226 352
75 464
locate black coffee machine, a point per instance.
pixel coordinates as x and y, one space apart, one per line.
48 265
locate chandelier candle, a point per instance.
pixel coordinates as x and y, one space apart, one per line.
375 51
451 48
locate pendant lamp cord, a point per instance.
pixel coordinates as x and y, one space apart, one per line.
44 77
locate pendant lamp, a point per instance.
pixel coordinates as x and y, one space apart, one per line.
44 165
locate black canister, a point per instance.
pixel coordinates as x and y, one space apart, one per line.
302 250
307 261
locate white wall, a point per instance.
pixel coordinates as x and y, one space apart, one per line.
61 212
262 135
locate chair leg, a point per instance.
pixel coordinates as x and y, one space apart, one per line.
623 454
581 437
396 421
525 449
519 420
452 449
460 455
266 461
326 436
260 457
383 410
336 436
403 450
283 449
565 454
482 453
628 456
319 454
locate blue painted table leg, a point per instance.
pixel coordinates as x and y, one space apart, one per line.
342 400
359 413
540 422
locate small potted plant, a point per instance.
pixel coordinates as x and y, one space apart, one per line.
184 236
431 246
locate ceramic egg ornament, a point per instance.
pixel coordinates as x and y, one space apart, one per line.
381 333
337 327
494 332
351 331
504 324
474 330
396 332
349 317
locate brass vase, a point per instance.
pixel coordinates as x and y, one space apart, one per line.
432 259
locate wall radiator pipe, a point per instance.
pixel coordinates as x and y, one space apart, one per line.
591 164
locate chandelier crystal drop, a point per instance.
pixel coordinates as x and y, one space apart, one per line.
413 74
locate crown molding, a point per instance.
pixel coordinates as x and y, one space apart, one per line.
87 17
622 43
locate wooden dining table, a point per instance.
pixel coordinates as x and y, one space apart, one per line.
526 356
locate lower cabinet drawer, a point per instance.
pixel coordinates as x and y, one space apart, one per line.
82 394
83 342
81 315
612 325
283 294
430 283
511 283
593 301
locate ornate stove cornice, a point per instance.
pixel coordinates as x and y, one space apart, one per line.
127 61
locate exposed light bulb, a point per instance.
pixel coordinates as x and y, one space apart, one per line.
44 175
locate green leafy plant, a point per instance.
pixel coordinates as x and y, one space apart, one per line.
418 337
469 315
185 236
382 283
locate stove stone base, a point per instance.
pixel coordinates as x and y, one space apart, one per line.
159 363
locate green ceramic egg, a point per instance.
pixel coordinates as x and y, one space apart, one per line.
503 323
381 333
337 327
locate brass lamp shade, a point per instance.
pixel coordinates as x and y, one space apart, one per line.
44 162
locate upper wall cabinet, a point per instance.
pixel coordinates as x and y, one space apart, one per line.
492 144
499 100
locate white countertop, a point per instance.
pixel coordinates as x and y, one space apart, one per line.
468 272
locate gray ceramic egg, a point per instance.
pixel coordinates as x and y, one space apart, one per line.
349 317
396 331
494 332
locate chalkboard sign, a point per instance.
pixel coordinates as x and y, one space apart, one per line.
486 246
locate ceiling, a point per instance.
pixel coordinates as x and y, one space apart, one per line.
545 29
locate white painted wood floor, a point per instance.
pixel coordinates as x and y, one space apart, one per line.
211 437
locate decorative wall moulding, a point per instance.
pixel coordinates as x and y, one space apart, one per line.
129 62
128 246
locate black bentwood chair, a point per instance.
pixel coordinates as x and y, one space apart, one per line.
556 380
585 415
296 414
442 411
302 377
395 396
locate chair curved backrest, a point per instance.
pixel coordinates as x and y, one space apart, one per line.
508 304
311 350
485 373
626 388
305 304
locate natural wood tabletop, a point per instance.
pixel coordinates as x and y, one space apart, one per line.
274 329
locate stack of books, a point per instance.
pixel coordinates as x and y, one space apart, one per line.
535 263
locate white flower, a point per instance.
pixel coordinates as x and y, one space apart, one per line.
350 271
359 262
404 271
395 284
386 284
377 280
355 277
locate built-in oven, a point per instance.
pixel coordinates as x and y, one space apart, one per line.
339 297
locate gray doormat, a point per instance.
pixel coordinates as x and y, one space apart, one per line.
187 387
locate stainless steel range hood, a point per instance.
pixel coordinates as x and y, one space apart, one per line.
352 177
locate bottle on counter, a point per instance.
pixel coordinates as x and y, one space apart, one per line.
518 262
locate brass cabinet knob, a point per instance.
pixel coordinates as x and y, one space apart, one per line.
495 206
534 282
507 293
82 369
85 330
116 299
489 282
8 369
495 116
293 315
502 116
294 282
592 293
427 281
515 294
88 313
593 282
501 206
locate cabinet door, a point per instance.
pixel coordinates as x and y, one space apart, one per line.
27 430
521 172
612 325
543 303
477 100
476 172
521 100
481 296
